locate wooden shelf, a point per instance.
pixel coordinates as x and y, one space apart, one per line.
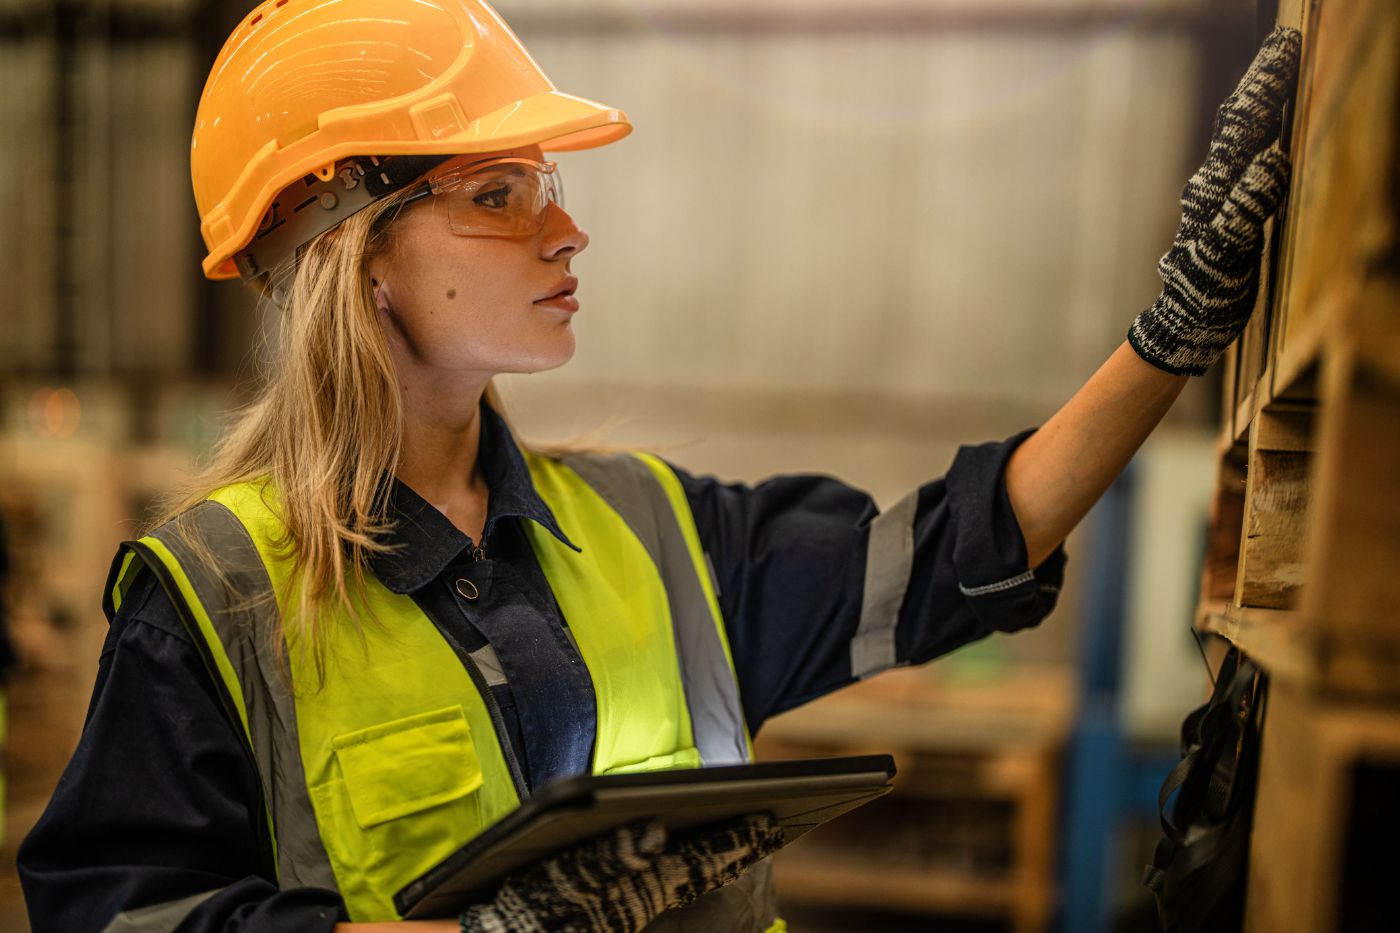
1300 572
1377 326
1272 637
914 710
1309 869
1290 647
970 827
830 879
939 730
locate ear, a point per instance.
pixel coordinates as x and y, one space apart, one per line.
378 269
383 300
379 283
389 320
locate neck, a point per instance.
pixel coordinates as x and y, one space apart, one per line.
440 455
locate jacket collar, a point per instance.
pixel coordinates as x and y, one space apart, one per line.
424 541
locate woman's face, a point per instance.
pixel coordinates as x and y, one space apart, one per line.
478 305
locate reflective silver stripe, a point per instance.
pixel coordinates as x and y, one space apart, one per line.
889 557
711 693
714 577
1009 583
489 665
242 613
158 918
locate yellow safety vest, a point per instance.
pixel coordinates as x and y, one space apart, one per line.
397 760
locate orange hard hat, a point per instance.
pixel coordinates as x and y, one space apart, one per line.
301 84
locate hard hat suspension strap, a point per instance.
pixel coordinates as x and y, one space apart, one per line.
312 206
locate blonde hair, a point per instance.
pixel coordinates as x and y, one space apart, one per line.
326 428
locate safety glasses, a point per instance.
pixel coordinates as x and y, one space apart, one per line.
495 197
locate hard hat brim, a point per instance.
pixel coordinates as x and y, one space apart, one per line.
552 120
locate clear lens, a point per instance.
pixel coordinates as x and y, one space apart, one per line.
502 197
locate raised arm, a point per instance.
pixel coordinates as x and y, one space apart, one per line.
1057 475
1209 279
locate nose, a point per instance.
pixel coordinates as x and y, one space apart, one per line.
561 237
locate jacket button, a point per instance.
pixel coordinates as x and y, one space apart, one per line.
467 589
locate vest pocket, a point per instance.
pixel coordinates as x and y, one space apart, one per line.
407 765
406 798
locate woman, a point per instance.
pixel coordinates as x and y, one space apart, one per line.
377 622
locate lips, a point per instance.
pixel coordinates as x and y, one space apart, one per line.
564 289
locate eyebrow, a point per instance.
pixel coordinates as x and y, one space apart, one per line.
490 175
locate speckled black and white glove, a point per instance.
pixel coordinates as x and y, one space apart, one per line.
1211 273
621 881
699 860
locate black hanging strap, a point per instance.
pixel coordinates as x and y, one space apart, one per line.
1197 874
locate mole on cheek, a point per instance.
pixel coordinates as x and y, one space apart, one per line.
451 293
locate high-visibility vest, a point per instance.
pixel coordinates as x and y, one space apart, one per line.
396 760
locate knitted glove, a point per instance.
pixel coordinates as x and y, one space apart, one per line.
1211 273
623 880
700 860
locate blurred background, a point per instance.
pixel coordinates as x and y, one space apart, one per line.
844 238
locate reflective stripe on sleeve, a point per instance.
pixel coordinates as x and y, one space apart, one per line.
711 692
242 608
158 918
1010 583
889 558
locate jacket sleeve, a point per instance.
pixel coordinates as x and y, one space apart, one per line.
819 588
154 824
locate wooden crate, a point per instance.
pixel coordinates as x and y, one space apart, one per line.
1247 378
1327 777
969 829
1301 572
1270 570
1340 232
1314 422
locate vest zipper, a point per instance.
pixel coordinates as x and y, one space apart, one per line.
498 722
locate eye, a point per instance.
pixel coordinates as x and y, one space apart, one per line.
496 198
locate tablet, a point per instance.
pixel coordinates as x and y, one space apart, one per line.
801 794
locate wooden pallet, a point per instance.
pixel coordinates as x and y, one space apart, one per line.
1321 857
1303 567
1306 528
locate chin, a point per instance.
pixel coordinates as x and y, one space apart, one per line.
550 358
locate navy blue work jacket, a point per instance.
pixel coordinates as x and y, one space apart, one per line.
159 801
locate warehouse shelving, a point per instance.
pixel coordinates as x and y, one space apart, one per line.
1305 540
970 828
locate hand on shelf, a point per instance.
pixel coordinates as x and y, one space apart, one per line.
1210 274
